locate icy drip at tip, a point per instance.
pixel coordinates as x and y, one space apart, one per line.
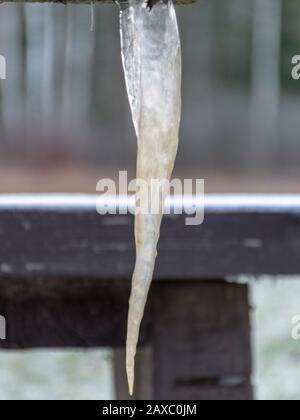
152 65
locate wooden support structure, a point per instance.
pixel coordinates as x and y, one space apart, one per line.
198 347
65 280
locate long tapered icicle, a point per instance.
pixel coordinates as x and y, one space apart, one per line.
152 63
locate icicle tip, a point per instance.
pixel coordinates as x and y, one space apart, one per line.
130 379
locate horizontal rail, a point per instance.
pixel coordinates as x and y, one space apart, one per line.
213 203
64 236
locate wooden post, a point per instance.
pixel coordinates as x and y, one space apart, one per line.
199 345
201 341
143 389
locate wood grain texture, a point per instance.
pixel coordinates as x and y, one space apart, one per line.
66 313
201 341
75 241
196 333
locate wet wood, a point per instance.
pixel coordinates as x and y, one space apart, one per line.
65 279
65 237
194 342
64 313
201 341
198 345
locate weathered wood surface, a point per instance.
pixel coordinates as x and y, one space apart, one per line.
199 344
201 341
196 334
65 280
64 237
65 313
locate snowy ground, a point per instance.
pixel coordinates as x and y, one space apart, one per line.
56 375
277 355
88 375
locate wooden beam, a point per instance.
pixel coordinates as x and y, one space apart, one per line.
64 236
196 334
66 313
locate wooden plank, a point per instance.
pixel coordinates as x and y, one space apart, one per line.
66 313
201 341
196 334
64 236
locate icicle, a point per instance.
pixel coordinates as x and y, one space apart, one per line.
152 65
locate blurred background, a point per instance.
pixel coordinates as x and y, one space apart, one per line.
63 107
65 123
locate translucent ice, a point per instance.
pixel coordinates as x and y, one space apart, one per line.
152 64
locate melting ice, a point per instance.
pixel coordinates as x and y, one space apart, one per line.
152 64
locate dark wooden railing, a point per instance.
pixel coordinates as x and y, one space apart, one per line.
65 280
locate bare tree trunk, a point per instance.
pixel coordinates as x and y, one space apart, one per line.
265 79
48 81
